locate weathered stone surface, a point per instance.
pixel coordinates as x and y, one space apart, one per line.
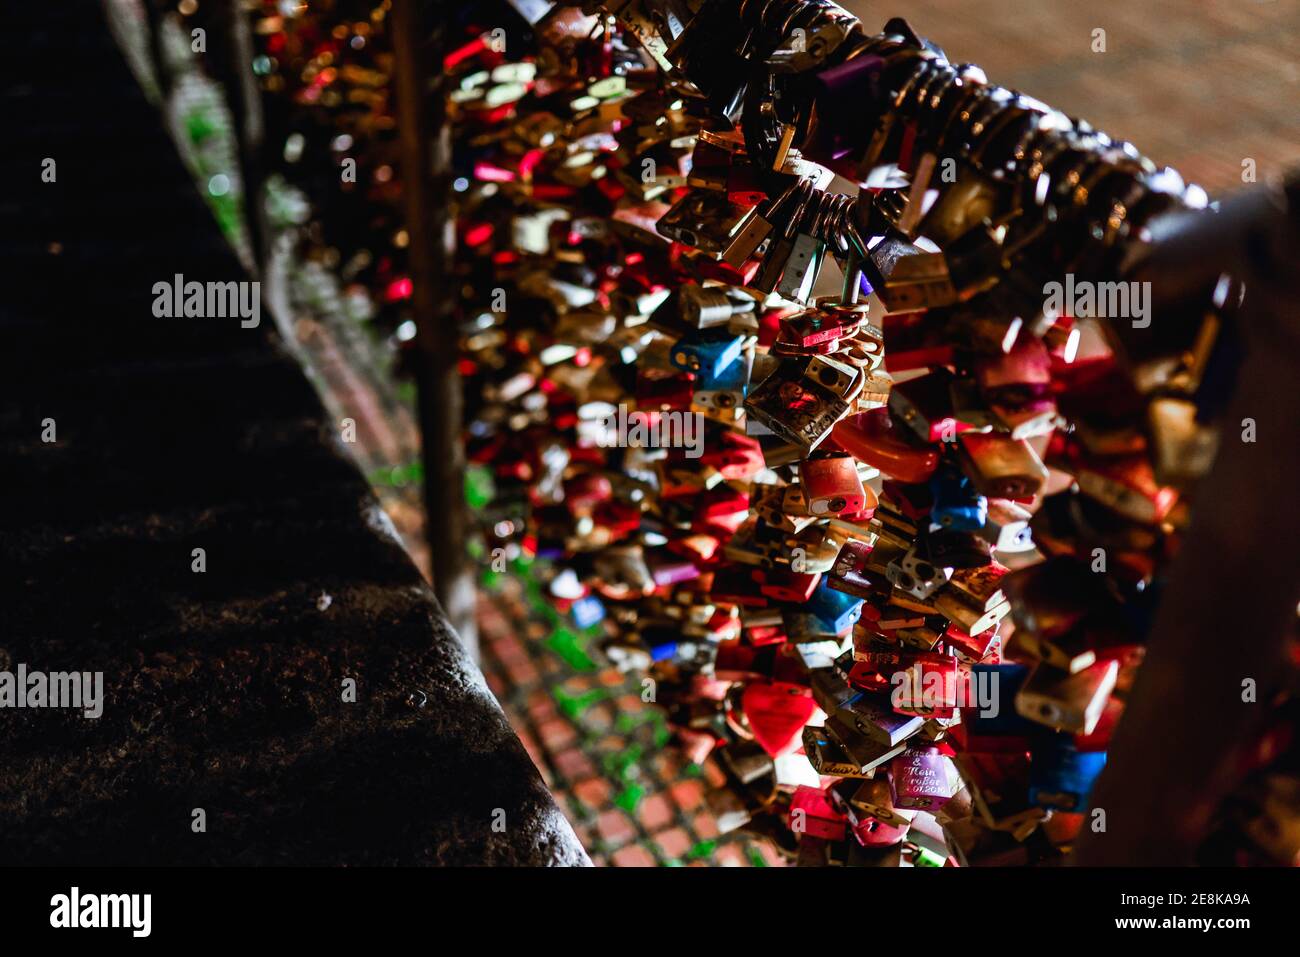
223 690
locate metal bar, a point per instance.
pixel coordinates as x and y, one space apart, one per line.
153 18
419 38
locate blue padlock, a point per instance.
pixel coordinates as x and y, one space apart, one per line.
734 377
837 611
1060 775
956 503
707 359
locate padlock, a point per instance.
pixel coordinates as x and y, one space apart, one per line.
854 528
874 833
870 715
920 779
802 266
893 617
832 486
829 757
740 573
851 574
871 437
718 512
733 456
983 585
865 752
722 397
924 405
956 503
957 549
811 813
836 609
802 401
917 575
710 359
1068 702
914 342
873 669
704 219
1000 466
972 649
1006 527
782 507
783 585
924 637
807 334
1060 776
777 713
968 612
812 550
1126 485
712 306
711 161
928 686
925 835
875 798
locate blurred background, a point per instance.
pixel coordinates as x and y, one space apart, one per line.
1200 85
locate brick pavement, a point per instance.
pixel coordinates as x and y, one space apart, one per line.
604 752
1199 85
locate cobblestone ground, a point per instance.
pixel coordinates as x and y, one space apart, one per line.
603 751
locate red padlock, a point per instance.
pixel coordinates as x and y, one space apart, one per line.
811 813
777 713
832 486
871 437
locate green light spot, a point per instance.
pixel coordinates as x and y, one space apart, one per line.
574 705
479 489
702 849
198 128
626 723
565 644
624 764
630 798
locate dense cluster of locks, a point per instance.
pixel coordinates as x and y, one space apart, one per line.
875 486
